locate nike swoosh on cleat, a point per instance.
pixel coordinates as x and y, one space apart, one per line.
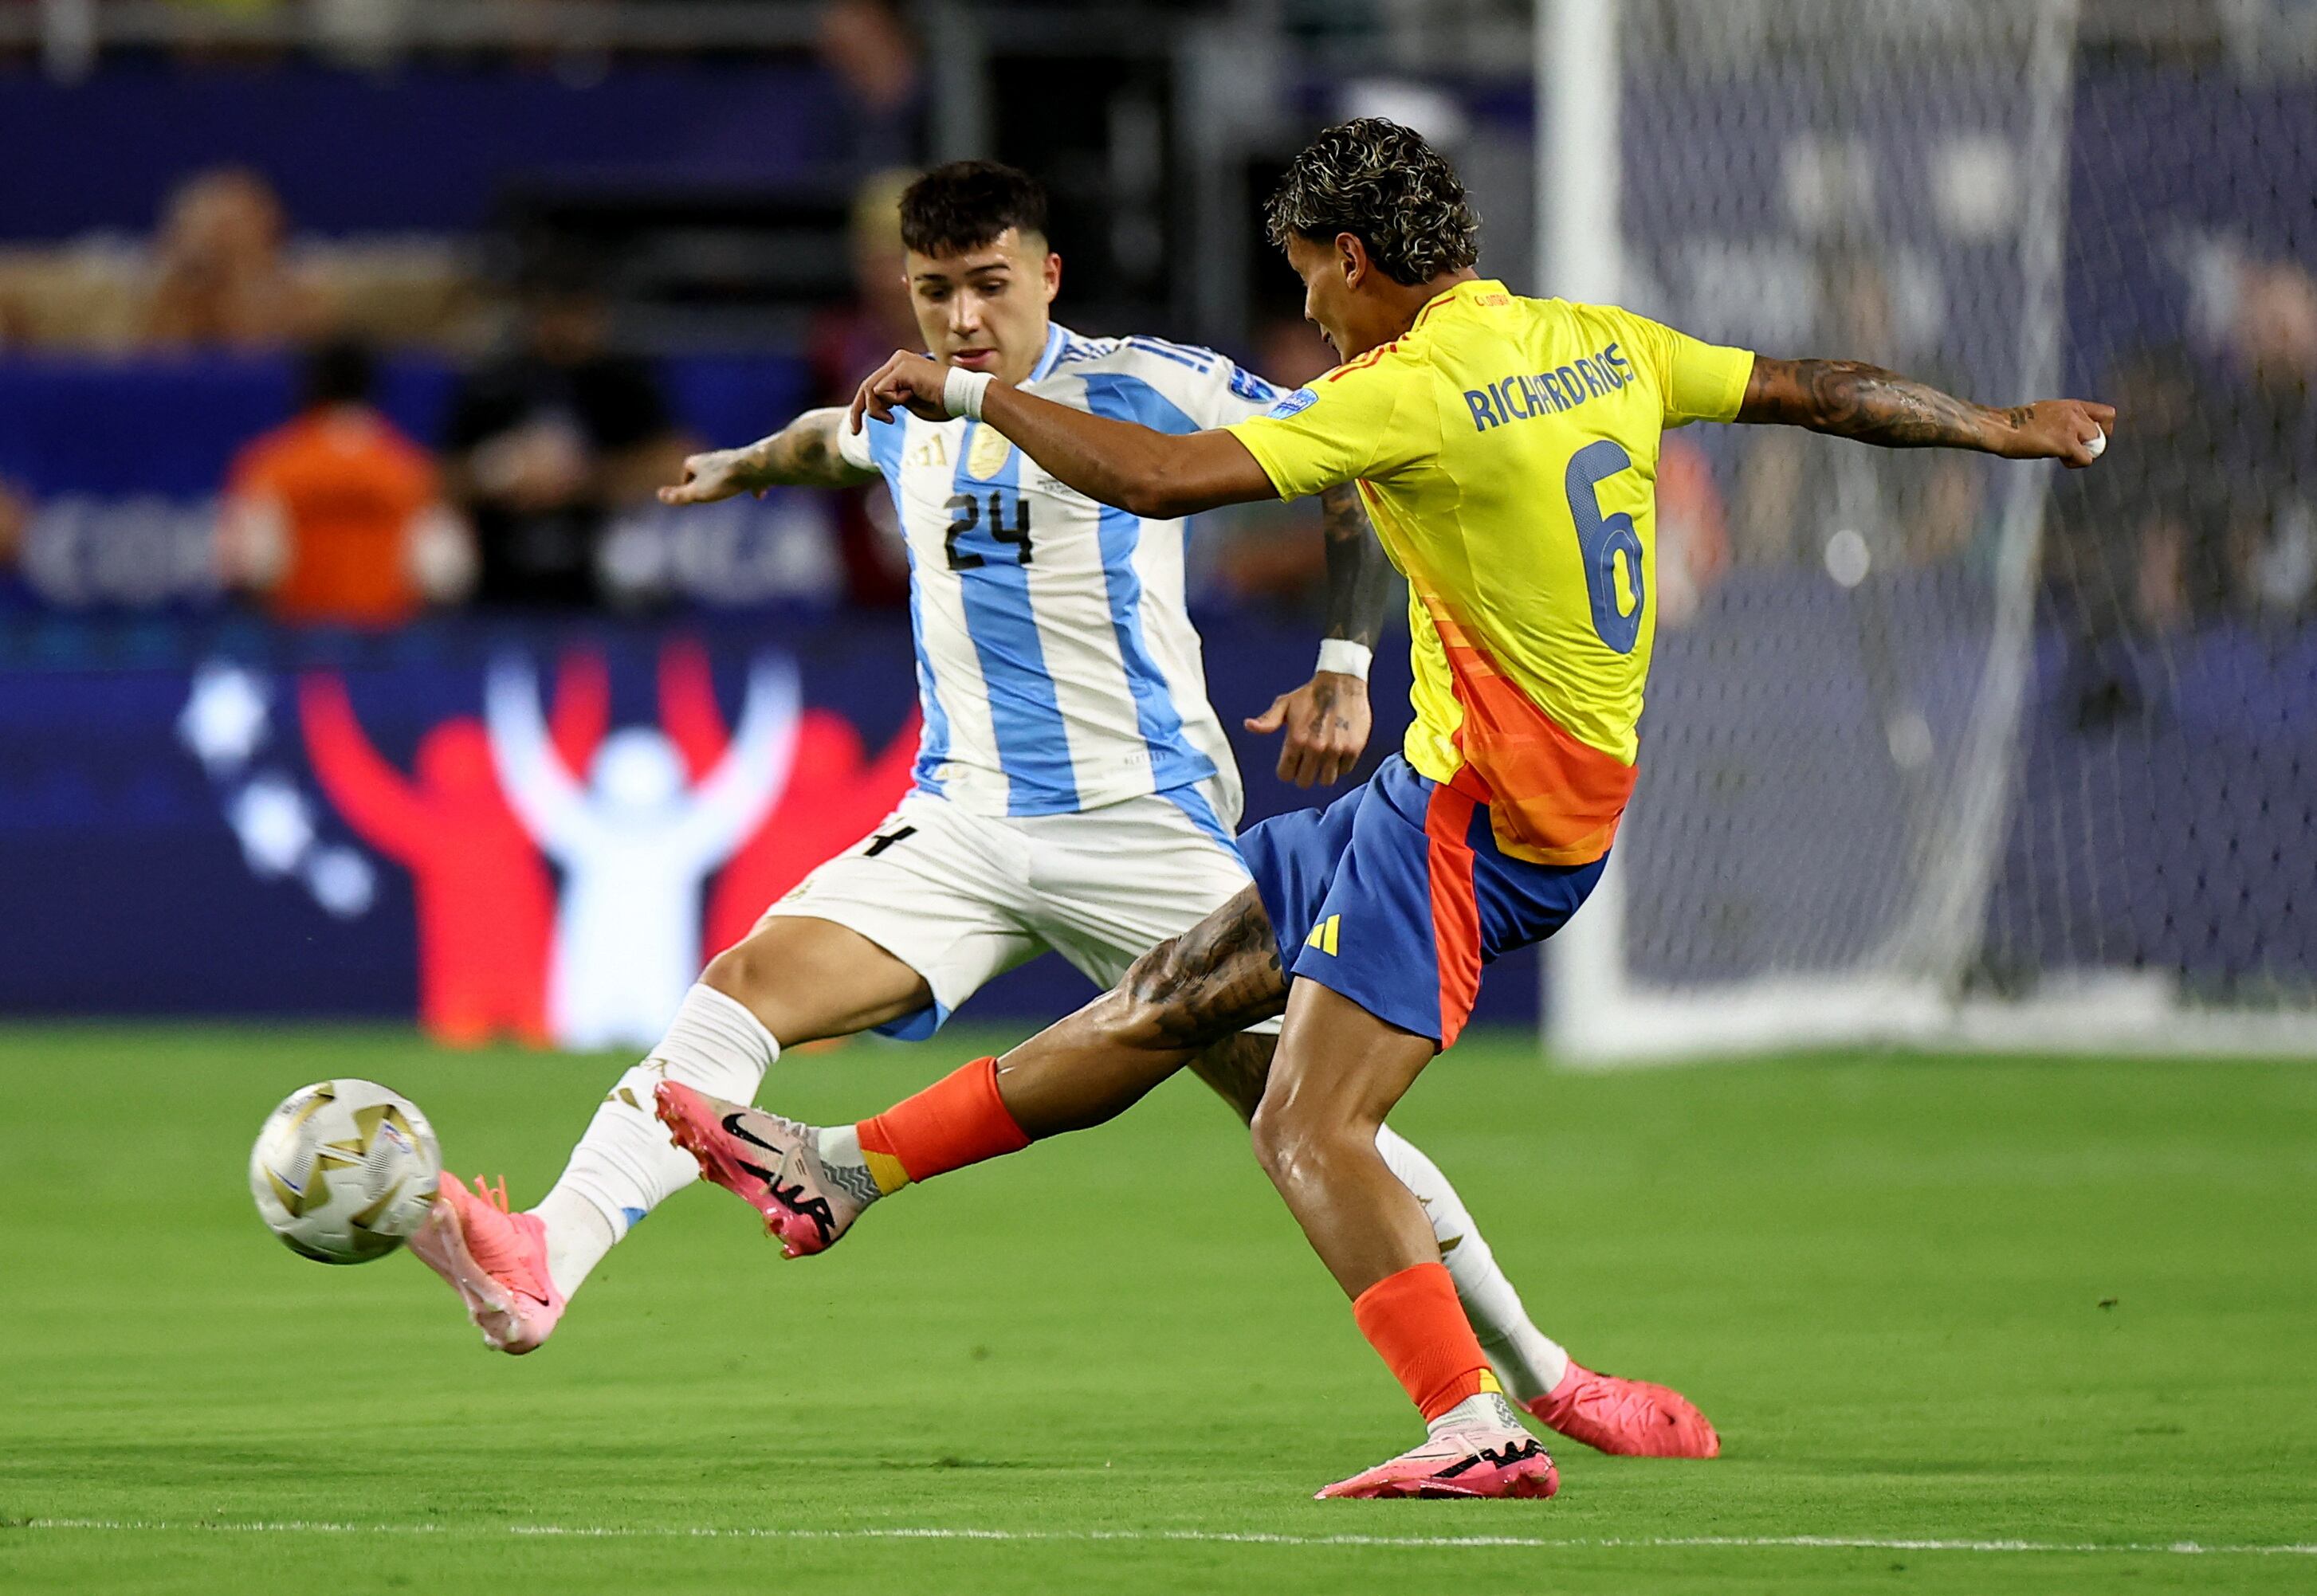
1517 1453
733 1126
792 1198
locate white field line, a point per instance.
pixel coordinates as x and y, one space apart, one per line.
1233 1537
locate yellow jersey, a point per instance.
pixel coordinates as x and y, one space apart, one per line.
1506 451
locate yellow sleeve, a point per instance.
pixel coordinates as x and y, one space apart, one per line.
1700 381
1340 428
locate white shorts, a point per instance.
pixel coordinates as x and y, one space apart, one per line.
961 898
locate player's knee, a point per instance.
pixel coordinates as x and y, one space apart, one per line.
1285 1137
742 972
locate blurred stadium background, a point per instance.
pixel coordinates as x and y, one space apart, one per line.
1938 752
1943 754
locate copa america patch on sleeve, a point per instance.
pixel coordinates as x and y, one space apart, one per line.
1300 400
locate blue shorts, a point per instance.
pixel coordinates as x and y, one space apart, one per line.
1395 895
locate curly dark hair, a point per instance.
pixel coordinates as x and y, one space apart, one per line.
1382 184
967 204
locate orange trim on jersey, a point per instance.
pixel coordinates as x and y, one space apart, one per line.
1553 799
1358 362
1455 907
1498 298
1431 304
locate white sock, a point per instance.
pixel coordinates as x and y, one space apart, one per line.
625 1165
842 1159
1529 1363
1485 1410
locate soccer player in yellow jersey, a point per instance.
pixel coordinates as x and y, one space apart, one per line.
1507 449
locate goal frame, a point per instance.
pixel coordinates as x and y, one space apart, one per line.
1908 994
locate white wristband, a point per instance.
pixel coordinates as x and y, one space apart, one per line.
1341 656
961 392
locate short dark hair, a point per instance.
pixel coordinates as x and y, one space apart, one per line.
1382 184
341 371
967 204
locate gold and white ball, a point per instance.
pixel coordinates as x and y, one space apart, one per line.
345 1170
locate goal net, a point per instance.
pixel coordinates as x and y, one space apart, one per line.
1940 749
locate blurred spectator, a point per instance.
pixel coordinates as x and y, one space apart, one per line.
1271 551
2271 459
547 440
15 516
2141 541
1693 534
220 277
846 345
870 47
2136 547
335 517
1916 507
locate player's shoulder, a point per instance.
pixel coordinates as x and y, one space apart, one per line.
1384 370
1154 360
883 442
1175 388
1598 312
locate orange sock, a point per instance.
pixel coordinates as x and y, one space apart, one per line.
959 1120
1415 1323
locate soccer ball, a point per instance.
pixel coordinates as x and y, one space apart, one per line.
344 1171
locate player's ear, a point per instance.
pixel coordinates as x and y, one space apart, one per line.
1351 259
1053 275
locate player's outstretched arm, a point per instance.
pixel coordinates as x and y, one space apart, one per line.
1327 718
1851 399
802 454
1120 463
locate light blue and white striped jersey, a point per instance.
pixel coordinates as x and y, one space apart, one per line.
1057 667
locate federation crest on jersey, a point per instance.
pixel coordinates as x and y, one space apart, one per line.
986 455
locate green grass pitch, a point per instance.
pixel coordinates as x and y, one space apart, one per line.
2066 1303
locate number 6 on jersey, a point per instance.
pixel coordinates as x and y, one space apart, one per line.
1600 539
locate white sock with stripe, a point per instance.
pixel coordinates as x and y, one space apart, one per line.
1528 1361
625 1166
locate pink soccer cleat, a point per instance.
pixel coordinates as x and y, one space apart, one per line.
495 1259
1626 1418
768 1163
1461 1463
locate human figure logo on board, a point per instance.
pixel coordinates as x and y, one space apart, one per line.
635 843
506 951
485 901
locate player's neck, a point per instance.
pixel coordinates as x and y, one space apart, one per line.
1016 370
1395 306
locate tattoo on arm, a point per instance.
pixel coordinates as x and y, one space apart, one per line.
1359 576
805 454
1851 399
1219 977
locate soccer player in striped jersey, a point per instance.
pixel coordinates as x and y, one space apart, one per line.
1074 790
1506 449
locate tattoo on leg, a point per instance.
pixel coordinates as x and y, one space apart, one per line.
1222 975
1237 1068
